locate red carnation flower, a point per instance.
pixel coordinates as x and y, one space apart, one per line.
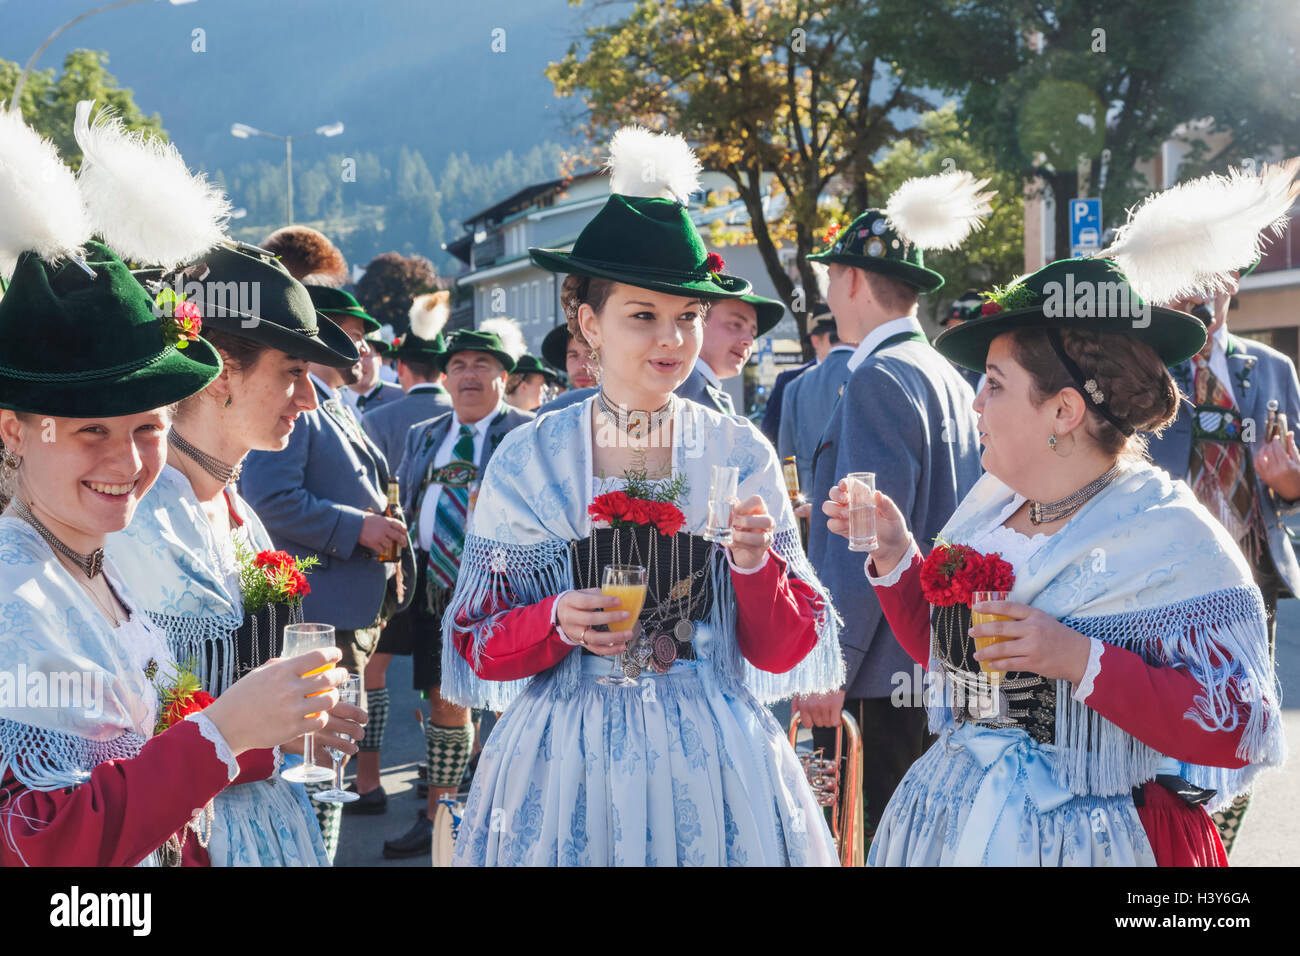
831 233
182 707
990 308
713 263
668 518
273 559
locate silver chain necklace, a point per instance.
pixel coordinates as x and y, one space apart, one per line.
218 469
90 564
1045 512
644 422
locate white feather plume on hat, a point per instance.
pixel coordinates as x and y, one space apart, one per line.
141 198
429 314
939 212
510 334
1185 240
41 209
654 165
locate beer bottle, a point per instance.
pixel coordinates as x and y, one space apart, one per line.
394 510
791 472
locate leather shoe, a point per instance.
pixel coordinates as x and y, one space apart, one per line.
417 841
370 804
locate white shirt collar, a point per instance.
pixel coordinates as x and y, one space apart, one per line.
480 425
1221 339
907 323
842 347
706 370
425 387
329 392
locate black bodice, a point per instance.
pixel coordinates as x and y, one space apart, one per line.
1030 699
677 578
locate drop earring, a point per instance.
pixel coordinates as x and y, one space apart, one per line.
1051 442
227 401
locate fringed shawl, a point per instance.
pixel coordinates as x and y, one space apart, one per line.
533 503
71 694
1143 566
171 560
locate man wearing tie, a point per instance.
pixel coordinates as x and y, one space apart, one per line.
324 496
442 464
1247 481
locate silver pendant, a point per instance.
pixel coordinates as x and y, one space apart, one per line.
684 631
631 669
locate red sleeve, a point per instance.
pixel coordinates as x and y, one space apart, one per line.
255 765
908 612
776 616
1150 703
521 641
125 811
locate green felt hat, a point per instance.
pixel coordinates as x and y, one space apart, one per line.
78 346
472 340
1089 294
770 311
555 347
379 345
335 302
411 346
528 364
245 291
871 243
646 242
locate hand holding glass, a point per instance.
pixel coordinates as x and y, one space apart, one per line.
349 693
979 617
299 639
627 582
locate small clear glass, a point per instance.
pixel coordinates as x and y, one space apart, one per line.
862 511
722 498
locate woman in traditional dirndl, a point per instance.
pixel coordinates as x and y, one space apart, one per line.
94 769
1138 691
686 766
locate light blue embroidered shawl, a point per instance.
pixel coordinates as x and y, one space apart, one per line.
71 693
533 503
1145 567
170 558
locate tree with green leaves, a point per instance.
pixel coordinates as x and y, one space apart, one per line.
1053 88
792 97
993 254
49 105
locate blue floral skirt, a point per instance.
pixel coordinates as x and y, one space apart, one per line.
672 772
266 823
987 797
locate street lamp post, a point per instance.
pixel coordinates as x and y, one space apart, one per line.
22 77
244 131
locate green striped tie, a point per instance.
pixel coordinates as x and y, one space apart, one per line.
449 520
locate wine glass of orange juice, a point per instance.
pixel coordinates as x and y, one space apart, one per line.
627 583
995 677
300 639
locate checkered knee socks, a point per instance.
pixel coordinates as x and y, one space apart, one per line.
377 709
449 751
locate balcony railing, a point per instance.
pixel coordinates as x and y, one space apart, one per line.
489 250
462 317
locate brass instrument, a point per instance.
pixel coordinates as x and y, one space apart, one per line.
844 797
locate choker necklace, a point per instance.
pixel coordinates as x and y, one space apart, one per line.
90 564
218 469
642 422
1045 512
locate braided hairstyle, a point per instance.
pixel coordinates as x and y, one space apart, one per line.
1138 387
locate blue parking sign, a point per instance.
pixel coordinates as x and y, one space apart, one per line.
1085 226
